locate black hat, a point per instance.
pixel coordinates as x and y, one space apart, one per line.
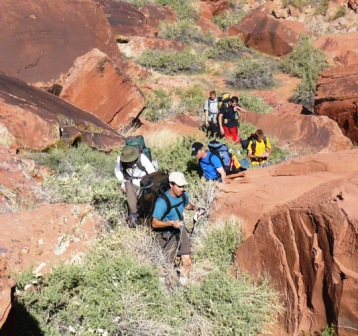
195 147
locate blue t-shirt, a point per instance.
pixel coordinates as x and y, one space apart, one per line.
160 207
209 166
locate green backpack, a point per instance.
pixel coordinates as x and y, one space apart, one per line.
138 141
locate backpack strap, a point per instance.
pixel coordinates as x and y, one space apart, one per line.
170 207
139 165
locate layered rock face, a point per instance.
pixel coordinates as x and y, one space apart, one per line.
43 38
97 85
337 98
303 216
37 120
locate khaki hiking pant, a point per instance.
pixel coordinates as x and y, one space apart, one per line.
131 192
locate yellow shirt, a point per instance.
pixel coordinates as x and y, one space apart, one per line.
260 148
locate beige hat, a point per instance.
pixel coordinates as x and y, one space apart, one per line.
177 178
129 154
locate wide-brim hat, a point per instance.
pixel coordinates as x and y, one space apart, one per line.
129 154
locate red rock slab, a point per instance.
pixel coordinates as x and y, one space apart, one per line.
215 7
301 132
34 117
7 287
263 32
43 38
96 85
156 14
39 238
336 46
207 26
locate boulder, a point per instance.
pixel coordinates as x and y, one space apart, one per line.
97 85
156 14
35 119
43 38
261 31
301 132
207 26
7 288
125 19
213 7
342 48
337 98
300 224
135 45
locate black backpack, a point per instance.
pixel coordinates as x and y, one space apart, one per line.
252 137
152 186
138 141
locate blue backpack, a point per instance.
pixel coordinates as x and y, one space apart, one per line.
222 152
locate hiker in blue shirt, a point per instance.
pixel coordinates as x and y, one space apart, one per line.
210 164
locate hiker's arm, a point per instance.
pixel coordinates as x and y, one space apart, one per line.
222 173
159 224
147 165
206 118
190 206
119 174
252 156
221 123
242 110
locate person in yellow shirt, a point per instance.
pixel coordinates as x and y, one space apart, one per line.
259 150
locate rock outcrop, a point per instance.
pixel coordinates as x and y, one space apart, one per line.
261 31
337 98
301 132
300 220
97 85
7 287
43 38
37 120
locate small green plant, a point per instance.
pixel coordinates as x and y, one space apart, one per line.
225 21
191 99
172 62
227 48
185 31
341 12
251 74
246 129
158 106
183 8
139 3
328 331
254 103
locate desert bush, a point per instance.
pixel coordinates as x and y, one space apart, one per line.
225 21
172 62
138 3
246 129
83 175
191 99
341 12
185 31
251 74
158 106
183 8
254 103
227 48
306 62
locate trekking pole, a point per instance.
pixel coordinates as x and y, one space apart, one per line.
198 214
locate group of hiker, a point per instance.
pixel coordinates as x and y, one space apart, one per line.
137 175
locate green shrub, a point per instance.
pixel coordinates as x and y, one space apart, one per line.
250 74
158 106
254 103
83 175
183 8
172 62
185 31
191 99
227 48
225 21
341 12
139 3
328 331
246 129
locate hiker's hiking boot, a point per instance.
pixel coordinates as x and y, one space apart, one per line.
132 220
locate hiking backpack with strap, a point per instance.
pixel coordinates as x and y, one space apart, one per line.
224 101
138 141
152 186
252 137
222 152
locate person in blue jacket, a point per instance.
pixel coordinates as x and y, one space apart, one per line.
210 164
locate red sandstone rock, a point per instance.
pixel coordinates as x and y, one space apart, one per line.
96 85
338 45
263 32
6 290
216 7
300 218
125 19
135 45
156 14
337 98
207 26
301 132
43 38
34 118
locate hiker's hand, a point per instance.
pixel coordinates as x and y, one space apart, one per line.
123 189
177 224
206 124
222 130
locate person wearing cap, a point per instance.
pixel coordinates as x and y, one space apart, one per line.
168 222
130 167
210 164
